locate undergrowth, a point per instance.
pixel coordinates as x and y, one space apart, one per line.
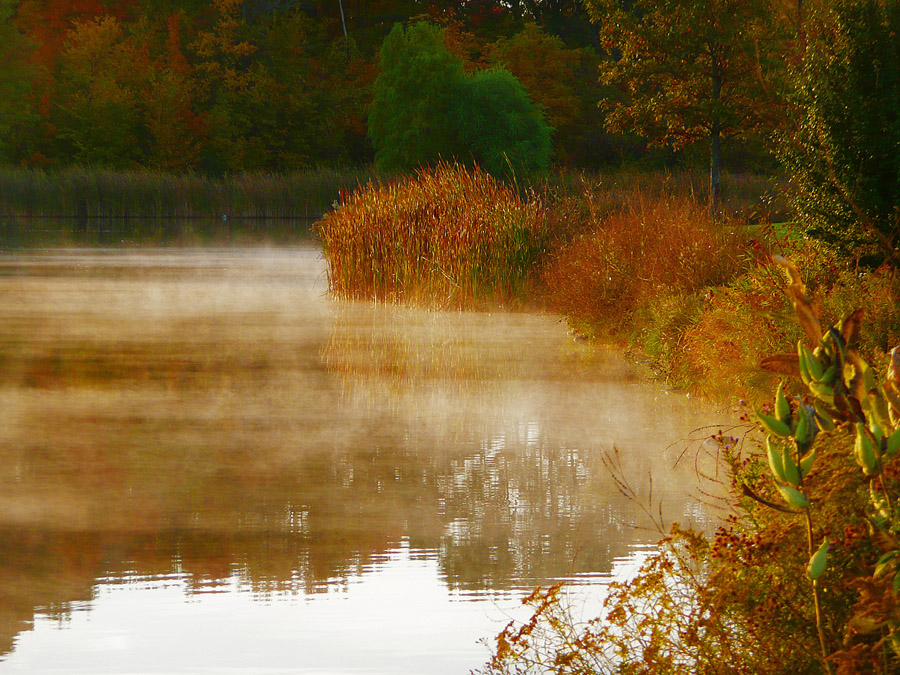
804 577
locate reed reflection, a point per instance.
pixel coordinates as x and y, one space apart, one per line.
218 419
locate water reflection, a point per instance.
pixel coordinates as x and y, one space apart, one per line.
209 417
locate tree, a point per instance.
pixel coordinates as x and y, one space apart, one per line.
500 126
426 108
16 77
419 82
688 71
225 72
843 152
175 129
98 114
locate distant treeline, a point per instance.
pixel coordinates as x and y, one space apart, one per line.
225 86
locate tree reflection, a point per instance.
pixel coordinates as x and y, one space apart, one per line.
291 452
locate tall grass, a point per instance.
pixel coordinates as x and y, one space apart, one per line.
447 236
86 193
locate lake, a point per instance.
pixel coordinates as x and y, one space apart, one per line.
207 465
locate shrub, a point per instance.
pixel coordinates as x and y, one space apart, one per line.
448 236
500 126
652 245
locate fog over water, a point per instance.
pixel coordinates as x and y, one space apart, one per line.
208 465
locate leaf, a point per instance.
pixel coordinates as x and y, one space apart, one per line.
781 364
850 327
796 292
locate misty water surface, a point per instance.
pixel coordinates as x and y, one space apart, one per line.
207 465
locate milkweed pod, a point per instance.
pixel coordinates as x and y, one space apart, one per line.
806 463
824 392
793 496
776 460
885 562
829 375
864 451
791 470
893 443
892 395
773 426
819 561
805 375
893 371
875 428
876 408
803 434
782 405
824 418
813 366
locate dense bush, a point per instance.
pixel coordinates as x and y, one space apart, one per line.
643 267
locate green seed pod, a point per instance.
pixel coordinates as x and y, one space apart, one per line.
892 395
864 451
818 562
813 365
774 426
824 417
791 470
875 428
829 376
885 562
822 391
893 443
804 368
806 463
893 371
782 405
803 433
776 460
793 496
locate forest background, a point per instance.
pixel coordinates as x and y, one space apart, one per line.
225 86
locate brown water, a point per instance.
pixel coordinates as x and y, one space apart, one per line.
206 465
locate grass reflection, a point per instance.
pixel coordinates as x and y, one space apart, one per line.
217 418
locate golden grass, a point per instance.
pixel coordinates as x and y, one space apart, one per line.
449 236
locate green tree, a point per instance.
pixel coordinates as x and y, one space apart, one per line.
843 152
688 71
419 81
98 113
499 125
16 77
426 108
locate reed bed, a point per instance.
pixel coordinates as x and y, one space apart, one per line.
86 193
448 236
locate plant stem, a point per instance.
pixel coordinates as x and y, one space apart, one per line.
815 586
